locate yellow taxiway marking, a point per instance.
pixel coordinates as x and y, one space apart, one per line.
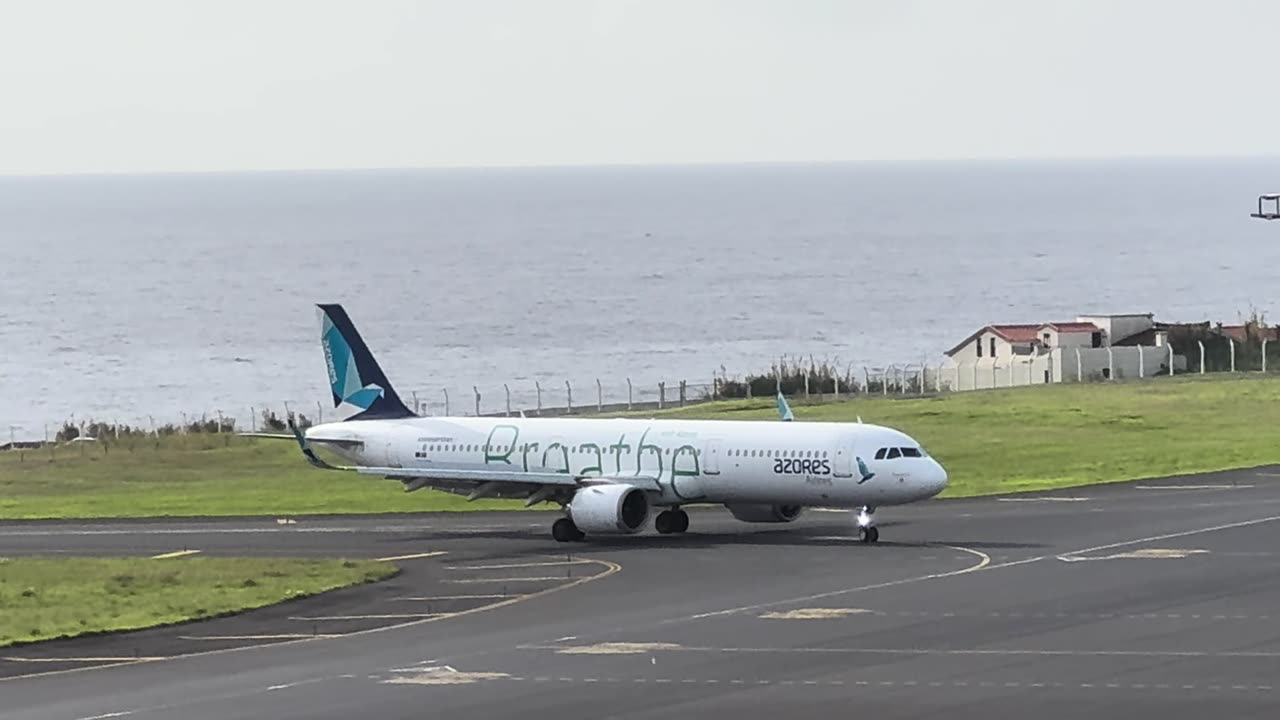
81 659
617 648
444 676
179 553
412 557
812 613
519 565
1144 553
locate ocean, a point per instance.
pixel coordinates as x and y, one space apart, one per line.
140 298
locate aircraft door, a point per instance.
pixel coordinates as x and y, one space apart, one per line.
842 463
711 458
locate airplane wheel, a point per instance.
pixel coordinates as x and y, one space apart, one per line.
681 521
868 534
665 523
563 530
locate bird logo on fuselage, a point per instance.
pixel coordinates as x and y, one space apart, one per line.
864 472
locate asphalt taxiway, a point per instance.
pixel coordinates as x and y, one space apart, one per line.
1158 599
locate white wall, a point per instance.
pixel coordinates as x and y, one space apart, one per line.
1119 327
1061 365
969 352
1073 339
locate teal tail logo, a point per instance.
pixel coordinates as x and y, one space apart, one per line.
344 376
864 472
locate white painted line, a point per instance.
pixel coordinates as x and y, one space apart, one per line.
179 553
495 596
505 580
1042 499
939 652
1189 487
395 616
108 715
286 636
412 557
984 561
83 659
518 565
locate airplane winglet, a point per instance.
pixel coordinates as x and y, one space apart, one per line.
784 410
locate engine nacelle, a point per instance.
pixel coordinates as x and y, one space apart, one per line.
761 513
610 509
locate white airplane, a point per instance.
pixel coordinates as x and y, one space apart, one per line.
610 475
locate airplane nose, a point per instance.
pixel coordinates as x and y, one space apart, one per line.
939 478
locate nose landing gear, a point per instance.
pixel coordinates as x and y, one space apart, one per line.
867 531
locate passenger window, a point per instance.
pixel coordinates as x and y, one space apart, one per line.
880 453
893 453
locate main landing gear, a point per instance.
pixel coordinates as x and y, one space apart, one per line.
671 521
867 531
564 530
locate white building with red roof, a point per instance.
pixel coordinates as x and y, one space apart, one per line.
1097 346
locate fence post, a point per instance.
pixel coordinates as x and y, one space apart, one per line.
662 393
507 390
1232 344
682 392
253 418
836 377
569 391
538 386
1111 365
446 402
866 374
1264 355
416 407
1079 367
476 390
1141 366
1170 360
1012 363
599 396
629 395
884 381
1201 344
923 367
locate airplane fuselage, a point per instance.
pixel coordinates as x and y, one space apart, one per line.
681 461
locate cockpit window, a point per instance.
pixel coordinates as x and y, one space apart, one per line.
880 453
910 452
893 453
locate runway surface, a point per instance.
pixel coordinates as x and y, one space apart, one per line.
1154 599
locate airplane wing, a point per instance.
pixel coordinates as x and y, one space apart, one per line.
533 486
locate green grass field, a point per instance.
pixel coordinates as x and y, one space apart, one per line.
990 441
44 598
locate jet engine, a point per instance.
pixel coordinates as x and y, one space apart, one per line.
761 513
610 509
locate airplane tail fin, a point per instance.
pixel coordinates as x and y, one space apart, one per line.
360 389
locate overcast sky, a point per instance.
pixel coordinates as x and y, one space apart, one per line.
134 85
